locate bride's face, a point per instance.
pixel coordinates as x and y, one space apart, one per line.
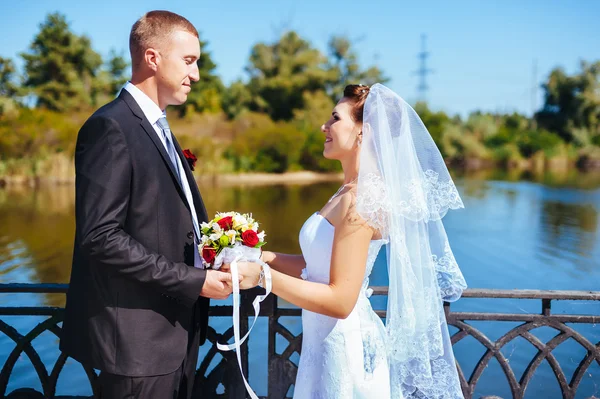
341 132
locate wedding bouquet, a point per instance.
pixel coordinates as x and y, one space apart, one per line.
227 235
229 238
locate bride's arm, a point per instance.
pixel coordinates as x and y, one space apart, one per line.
291 265
348 262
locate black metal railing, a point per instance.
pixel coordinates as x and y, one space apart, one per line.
223 380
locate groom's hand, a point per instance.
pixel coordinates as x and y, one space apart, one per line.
217 285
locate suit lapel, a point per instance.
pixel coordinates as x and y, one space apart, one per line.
147 127
198 202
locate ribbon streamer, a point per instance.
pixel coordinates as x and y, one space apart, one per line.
236 307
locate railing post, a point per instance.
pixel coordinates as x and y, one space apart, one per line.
271 312
546 304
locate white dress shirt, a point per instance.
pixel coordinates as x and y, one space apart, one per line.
153 113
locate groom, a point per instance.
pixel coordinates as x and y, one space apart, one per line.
137 306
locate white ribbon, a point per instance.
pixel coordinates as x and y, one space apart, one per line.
233 256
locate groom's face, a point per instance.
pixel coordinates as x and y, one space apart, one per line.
177 68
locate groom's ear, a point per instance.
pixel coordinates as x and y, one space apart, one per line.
151 57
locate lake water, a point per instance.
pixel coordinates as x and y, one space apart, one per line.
515 232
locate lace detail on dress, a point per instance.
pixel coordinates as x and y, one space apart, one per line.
444 387
374 350
450 280
422 370
425 198
373 205
428 198
417 351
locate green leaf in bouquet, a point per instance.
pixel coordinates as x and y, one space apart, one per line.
260 244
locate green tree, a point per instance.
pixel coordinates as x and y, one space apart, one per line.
317 110
572 104
61 67
482 125
8 87
344 61
281 72
274 149
435 122
236 99
117 70
110 78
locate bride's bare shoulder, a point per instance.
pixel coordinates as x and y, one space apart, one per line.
344 211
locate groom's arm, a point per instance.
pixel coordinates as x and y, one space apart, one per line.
103 177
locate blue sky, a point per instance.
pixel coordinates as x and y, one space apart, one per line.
482 52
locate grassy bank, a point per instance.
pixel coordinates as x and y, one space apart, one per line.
37 146
58 169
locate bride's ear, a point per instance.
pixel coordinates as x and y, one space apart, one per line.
361 134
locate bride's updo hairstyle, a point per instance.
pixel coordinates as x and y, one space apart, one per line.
358 95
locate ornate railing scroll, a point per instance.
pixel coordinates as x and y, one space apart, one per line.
218 374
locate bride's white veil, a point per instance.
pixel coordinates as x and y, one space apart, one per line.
404 190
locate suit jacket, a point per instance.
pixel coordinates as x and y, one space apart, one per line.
133 300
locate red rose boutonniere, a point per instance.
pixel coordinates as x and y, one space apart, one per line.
190 157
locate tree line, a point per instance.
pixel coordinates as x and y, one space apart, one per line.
269 121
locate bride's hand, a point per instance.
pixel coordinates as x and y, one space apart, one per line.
248 273
267 256
251 274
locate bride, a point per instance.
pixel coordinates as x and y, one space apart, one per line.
396 191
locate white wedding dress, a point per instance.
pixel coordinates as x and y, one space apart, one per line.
341 359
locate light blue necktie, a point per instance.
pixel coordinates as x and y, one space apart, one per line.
166 130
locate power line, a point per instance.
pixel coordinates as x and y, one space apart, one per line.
423 71
534 88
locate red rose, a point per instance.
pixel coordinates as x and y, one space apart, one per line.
191 158
250 238
209 254
226 223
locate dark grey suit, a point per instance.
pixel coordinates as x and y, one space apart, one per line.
133 306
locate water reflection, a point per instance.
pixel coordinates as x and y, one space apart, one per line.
540 234
41 224
561 178
510 228
570 232
280 209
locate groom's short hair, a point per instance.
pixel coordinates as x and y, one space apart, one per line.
153 28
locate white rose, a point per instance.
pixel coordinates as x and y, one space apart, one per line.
261 236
